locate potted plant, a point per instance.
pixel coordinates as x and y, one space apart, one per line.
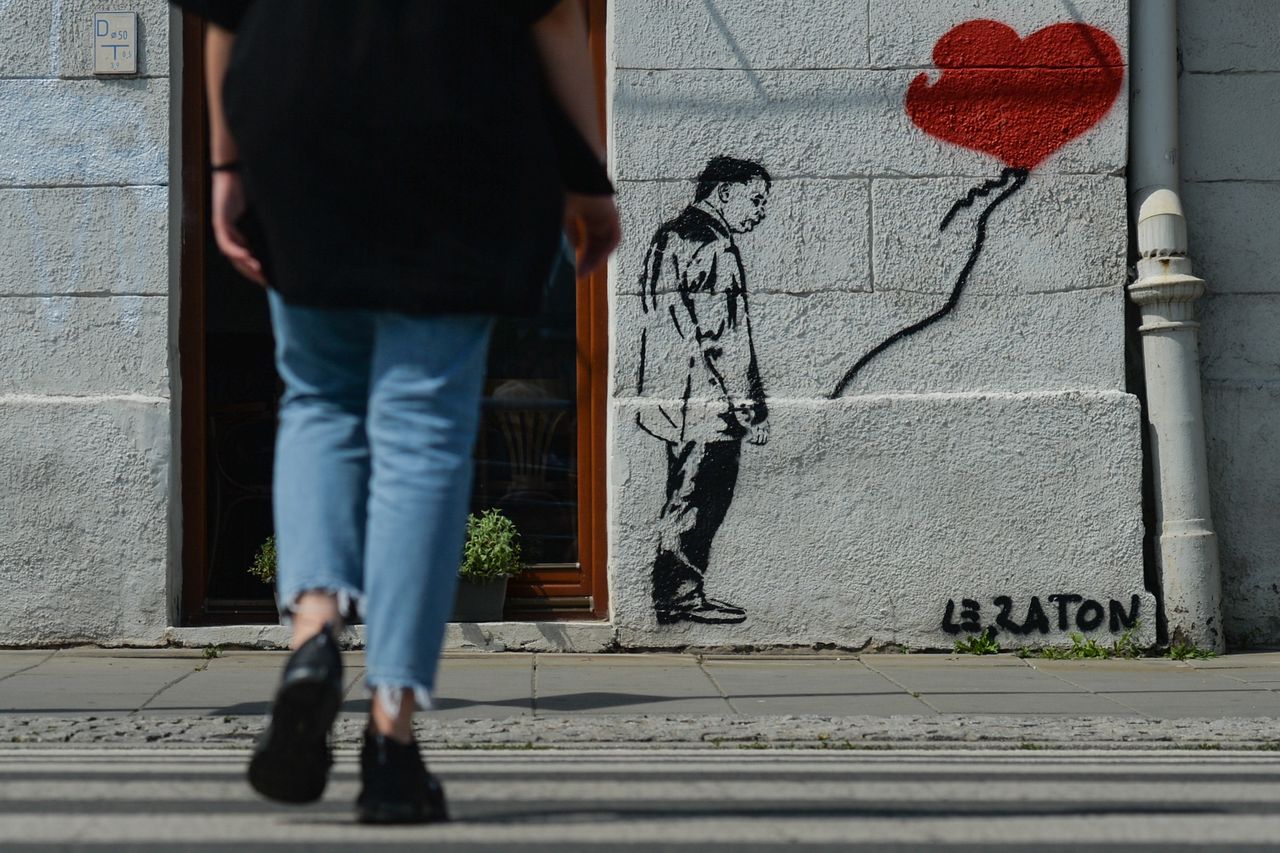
264 562
490 558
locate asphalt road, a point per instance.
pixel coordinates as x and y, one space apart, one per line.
658 800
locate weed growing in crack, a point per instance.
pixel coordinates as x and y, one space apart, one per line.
979 644
1190 651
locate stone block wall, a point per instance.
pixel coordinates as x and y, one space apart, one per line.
1230 114
85 444
984 471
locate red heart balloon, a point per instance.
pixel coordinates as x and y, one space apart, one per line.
1017 99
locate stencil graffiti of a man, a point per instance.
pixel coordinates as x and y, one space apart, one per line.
695 311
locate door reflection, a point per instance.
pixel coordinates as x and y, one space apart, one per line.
527 449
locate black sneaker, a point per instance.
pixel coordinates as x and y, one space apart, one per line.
291 759
397 787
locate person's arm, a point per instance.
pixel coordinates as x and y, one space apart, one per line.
228 188
591 221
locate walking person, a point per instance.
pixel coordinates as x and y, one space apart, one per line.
397 173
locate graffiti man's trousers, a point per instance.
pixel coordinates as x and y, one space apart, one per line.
701 478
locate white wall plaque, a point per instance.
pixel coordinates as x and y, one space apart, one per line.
115 42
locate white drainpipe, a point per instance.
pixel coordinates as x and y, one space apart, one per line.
1186 546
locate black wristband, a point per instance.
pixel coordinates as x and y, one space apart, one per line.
232 166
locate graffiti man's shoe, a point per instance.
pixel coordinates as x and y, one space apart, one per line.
707 611
725 607
291 759
397 787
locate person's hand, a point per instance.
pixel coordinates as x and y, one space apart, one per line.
758 434
592 225
228 206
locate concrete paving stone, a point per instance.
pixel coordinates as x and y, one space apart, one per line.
1214 704
1024 704
272 660
1269 678
468 686
972 680
92 652
1137 677
485 687
240 685
89 685
355 699
624 684
219 692
16 661
878 661
355 680
1240 660
750 678
810 687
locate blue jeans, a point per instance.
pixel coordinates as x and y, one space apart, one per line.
373 473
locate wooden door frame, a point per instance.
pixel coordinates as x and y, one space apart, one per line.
191 331
592 370
593 376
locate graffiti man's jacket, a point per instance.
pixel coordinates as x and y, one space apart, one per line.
695 342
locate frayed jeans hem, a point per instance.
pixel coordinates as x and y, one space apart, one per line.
388 692
350 601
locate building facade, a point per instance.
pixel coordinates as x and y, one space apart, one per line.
863 372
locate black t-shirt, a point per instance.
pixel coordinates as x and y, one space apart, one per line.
400 155
227 13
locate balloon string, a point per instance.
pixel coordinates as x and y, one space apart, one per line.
1012 180
980 192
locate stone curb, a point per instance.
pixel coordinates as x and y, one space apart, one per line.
575 637
977 732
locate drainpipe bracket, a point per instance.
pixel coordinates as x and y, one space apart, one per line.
1168 326
1165 286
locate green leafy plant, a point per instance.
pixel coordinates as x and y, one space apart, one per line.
1126 645
1082 649
492 551
264 562
979 644
213 650
1190 651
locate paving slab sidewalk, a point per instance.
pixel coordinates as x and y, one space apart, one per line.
181 697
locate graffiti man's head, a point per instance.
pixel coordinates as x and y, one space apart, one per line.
737 189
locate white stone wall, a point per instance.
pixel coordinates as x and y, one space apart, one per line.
85 446
994 454
1230 113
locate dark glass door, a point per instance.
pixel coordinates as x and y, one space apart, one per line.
539 455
